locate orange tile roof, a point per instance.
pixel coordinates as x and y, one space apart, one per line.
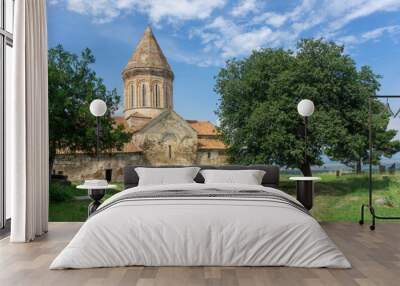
120 120
214 144
203 127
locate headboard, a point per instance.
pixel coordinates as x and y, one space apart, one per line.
270 179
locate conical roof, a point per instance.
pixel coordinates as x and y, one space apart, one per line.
148 54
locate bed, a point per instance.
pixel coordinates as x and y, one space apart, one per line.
201 224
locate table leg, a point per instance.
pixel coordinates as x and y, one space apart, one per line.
93 207
95 196
305 193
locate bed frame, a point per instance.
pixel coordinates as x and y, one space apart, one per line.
270 179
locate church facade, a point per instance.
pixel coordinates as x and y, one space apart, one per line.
160 135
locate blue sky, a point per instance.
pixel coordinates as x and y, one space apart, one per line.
198 36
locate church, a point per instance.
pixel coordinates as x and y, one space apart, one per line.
160 136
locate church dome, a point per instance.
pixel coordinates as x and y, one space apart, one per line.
148 56
148 81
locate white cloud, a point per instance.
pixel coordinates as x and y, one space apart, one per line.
348 11
245 25
377 33
244 43
244 7
372 35
304 7
348 40
299 13
270 18
227 39
100 10
104 11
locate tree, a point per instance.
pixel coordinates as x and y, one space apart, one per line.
72 86
353 150
259 95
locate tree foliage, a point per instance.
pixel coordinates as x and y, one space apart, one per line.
73 84
259 96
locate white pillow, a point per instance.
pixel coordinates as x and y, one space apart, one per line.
166 176
248 177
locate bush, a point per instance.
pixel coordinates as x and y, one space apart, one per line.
60 192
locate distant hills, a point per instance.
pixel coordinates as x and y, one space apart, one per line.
330 165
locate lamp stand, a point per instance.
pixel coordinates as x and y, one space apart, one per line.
305 140
97 137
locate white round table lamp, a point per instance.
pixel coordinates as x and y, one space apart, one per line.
98 107
305 107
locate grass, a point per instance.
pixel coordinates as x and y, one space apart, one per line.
340 198
71 209
336 198
68 211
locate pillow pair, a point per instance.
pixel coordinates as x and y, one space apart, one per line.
186 175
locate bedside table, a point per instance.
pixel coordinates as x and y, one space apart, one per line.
95 194
305 190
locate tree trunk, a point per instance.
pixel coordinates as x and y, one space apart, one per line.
358 167
52 157
306 169
51 163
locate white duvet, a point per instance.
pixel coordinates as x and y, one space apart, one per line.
200 231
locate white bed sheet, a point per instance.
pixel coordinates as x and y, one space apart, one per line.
200 232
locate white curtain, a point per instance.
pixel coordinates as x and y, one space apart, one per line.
27 123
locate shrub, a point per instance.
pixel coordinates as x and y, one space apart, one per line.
60 191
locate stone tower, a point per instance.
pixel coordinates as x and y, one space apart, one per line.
147 80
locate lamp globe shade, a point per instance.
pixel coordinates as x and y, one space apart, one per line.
98 107
305 107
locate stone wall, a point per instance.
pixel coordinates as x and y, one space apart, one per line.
136 122
169 141
211 157
79 167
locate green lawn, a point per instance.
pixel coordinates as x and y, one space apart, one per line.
72 209
336 198
340 198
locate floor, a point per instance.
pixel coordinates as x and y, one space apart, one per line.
375 257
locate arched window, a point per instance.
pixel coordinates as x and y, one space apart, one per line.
132 98
144 95
166 98
157 98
